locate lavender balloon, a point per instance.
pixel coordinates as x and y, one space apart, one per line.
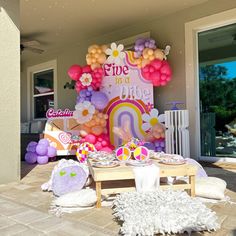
30 157
31 147
141 44
99 100
42 160
68 179
41 149
43 142
52 151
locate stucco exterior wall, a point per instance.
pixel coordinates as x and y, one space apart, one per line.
166 30
10 91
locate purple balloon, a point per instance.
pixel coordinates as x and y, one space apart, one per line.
41 149
31 147
68 179
99 100
52 151
42 160
30 157
149 145
44 142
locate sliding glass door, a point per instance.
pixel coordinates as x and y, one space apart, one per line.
217 91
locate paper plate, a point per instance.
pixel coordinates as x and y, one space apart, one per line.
169 161
108 164
139 163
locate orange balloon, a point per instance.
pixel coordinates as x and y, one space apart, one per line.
97 130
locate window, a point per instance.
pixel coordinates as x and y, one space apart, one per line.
41 89
43 92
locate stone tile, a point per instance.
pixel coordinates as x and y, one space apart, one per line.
114 226
230 223
30 232
225 209
4 222
22 186
77 216
102 234
10 208
48 224
73 229
13 229
101 217
29 216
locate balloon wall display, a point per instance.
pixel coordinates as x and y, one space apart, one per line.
114 86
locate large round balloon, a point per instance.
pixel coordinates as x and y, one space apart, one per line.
41 149
31 147
99 100
42 160
75 72
44 142
52 151
30 157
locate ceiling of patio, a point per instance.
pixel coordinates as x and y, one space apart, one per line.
56 23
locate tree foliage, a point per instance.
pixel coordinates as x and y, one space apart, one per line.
218 94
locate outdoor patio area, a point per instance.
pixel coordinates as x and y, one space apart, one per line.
24 208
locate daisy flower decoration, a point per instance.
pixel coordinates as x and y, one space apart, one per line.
86 79
115 53
83 112
152 119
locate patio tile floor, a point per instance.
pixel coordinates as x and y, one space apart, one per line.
24 209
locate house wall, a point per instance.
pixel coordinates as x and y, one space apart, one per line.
10 91
166 30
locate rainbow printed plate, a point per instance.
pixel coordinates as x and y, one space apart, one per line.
141 153
123 154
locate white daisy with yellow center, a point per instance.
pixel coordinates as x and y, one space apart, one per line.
83 112
86 79
115 53
152 119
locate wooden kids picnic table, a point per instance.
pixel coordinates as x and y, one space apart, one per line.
125 172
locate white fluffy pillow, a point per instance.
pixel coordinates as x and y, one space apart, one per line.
82 198
210 187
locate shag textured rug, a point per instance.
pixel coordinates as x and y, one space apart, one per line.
163 212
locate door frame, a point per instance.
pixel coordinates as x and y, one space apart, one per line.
191 72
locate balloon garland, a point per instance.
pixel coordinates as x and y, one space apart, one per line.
90 101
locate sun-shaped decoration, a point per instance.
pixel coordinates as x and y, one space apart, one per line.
152 119
115 53
83 112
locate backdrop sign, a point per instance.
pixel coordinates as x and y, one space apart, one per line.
130 95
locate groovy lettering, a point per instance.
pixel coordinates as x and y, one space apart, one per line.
115 70
51 113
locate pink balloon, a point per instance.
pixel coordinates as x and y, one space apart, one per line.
163 77
166 70
42 160
75 72
157 64
90 138
155 76
86 69
98 146
106 149
104 143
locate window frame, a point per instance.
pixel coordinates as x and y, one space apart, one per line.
30 86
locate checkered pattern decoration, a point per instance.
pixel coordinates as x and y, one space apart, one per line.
83 150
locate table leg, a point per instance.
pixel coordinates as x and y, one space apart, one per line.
192 182
99 194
